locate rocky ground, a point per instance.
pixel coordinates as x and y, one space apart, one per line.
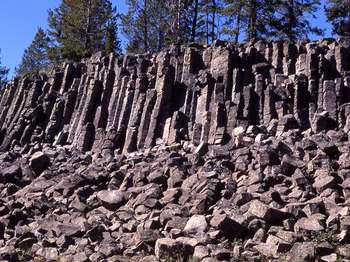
198 153
271 193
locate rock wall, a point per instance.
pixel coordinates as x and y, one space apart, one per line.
195 93
268 177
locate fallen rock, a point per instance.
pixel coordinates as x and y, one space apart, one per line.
11 174
111 199
330 258
48 253
39 162
302 252
306 224
201 252
167 248
322 121
344 251
196 225
227 226
265 212
324 182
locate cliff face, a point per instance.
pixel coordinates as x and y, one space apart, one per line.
192 93
221 153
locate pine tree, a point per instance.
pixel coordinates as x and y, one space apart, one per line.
150 25
181 20
207 22
338 13
194 26
234 18
35 57
259 16
291 19
79 28
112 42
3 73
248 18
135 25
270 19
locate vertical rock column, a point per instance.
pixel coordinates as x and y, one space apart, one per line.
164 83
221 71
130 144
330 98
85 130
301 102
151 98
79 105
125 112
8 100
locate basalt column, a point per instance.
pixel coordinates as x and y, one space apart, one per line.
194 94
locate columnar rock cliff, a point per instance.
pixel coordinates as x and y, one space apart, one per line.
195 93
198 153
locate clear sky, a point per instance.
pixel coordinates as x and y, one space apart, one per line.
19 20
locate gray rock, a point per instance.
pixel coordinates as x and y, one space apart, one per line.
265 212
302 252
201 252
112 199
39 162
196 225
166 247
324 182
228 227
344 251
308 224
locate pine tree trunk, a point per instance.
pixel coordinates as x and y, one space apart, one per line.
252 20
291 19
160 37
145 26
194 22
207 27
178 21
213 21
88 27
238 21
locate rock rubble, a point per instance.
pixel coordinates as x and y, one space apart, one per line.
199 153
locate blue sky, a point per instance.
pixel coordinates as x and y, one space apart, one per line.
19 20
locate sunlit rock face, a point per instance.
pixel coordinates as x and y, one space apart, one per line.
194 93
216 153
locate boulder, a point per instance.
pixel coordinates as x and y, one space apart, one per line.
265 212
227 226
167 248
112 199
308 224
322 121
39 162
303 251
196 225
11 174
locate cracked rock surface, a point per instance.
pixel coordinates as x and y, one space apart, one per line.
198 153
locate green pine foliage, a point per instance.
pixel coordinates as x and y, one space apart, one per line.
35 57
338 14
207 22
269 19
112 44
80 28
234 18
149 25
291 19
